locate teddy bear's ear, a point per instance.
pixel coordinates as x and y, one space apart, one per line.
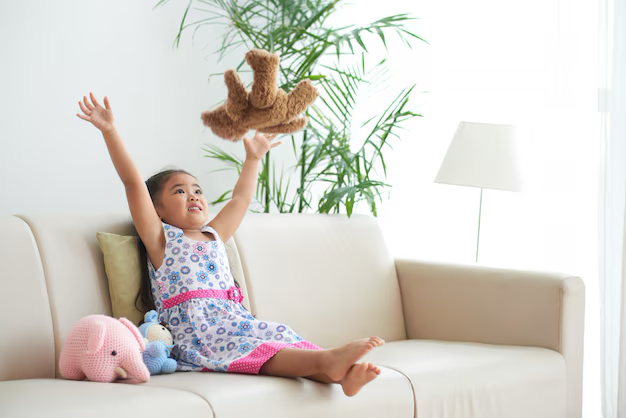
150 316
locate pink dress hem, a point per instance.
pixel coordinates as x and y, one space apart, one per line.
253 362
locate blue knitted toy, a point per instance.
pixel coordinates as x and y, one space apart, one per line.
159 341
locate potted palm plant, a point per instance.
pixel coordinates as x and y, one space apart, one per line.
333 171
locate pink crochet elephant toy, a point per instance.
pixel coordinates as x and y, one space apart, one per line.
104 349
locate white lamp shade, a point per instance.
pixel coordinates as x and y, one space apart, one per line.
483 155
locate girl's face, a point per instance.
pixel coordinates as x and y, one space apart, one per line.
181 203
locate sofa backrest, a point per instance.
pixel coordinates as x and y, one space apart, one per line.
329 277
73 266
26 333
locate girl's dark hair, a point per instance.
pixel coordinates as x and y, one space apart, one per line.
144 301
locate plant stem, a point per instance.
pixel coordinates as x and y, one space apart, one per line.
267 182
302 170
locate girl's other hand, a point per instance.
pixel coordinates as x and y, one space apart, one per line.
257 146
100 117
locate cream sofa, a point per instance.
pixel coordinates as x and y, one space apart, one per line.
462 341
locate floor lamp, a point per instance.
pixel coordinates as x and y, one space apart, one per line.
483 155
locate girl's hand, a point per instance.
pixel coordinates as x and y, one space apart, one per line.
257 146
100 117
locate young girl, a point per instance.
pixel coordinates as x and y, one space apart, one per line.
192 288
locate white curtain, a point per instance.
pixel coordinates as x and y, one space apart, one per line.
613 209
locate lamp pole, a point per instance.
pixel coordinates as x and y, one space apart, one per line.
480 209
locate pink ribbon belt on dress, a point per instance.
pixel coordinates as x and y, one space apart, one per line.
233 293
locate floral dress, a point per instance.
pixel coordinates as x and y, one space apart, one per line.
195 294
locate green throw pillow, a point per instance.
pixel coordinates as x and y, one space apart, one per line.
121 263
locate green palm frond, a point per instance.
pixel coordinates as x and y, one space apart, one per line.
334 174
232 161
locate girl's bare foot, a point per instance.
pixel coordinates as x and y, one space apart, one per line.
341 359
358 376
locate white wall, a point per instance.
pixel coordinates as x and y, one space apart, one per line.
484 64
53 53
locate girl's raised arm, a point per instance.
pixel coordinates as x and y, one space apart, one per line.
230 216
145 217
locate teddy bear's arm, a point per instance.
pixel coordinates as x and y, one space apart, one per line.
237 101
298 99
222 125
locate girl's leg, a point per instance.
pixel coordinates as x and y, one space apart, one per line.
295 362
321 377
335 363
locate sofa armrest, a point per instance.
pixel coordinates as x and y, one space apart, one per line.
497 306
494 306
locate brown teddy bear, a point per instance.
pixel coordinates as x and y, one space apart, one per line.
266 107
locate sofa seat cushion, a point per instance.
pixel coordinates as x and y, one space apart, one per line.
471 380
57 398
243 396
